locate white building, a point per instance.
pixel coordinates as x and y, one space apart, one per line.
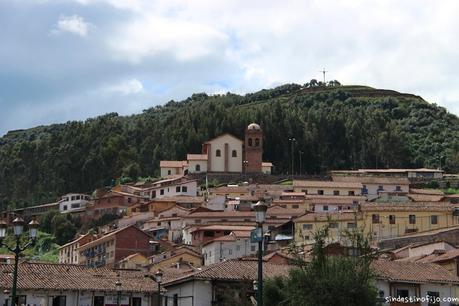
170 187
402 279
73 202
374 185
235 245
43 284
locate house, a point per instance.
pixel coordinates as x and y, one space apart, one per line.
224 153
28 212
388 220
68 285
73 202
414 251
68 253
170 187
169 228
200 235
214 284
113 202
133 261
114 246
397 281
173 167
333 203
181 254
338 222
373 185
408 173
236 244
327 188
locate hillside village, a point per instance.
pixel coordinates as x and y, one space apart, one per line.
197 224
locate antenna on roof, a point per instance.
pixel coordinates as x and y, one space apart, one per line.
323 72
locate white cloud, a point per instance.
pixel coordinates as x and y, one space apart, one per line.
127 87
73 24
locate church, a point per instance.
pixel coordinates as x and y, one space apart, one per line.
224 153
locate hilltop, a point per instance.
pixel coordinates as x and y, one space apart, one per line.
335 126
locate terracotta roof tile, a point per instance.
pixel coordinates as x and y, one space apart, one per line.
237 270
73 277
327 184
196 157
402 271
172 163
427 191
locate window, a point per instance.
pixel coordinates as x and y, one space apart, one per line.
230 252
184 189
137 301
320 192
335 192
333 225
234 153
412 219
169 172
197 168
380 188
175 300
434 219
325 208
218 153
161 192
238 248
257 142
351 225
305 191
252 248
307 226
398 188
250 142
209 234
129 200
402 293
21 300
64 207
59 300
391 219
295 206
177 189
375 218
351 193
75 205
197 221
434 298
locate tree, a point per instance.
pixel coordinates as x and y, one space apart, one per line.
327 280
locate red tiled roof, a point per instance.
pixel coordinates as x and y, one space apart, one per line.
56 277
443 257
235 270
196 156
416 206
413 272
172 163
327 184
372 180
427 191
223 228
425 197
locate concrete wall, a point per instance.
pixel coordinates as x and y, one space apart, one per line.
219 250
191 293
192 166
226 144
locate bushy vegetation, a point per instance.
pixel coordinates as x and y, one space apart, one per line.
45 248
336 127
327 280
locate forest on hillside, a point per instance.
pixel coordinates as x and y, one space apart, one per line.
341 127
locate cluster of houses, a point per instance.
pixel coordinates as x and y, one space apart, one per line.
201 238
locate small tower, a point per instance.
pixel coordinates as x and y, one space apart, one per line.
253 149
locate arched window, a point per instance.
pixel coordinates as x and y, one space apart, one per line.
198 168
218 153
234 153
250 142
257 142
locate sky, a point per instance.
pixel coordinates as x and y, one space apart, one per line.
71 60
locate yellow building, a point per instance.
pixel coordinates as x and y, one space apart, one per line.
327 188
134 261
182 254
339 222
379 221
390 220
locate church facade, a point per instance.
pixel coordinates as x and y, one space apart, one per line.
225 153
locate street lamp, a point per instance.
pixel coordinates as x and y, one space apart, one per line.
292 141
18 229
246 164
260 216
158 279
118 291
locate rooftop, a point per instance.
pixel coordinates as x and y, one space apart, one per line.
327 184
39 276
172 163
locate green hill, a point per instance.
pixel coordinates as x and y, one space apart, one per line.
337 127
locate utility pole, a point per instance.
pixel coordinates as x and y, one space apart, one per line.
323 72
292 141
301 154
